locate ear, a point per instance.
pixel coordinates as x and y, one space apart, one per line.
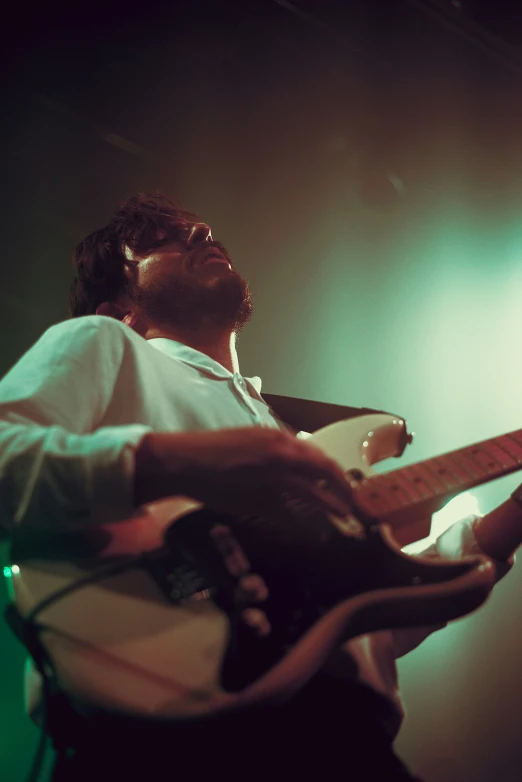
137 323
130 318
110 309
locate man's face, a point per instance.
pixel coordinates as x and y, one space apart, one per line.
189 283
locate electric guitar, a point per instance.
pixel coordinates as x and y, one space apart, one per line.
182 613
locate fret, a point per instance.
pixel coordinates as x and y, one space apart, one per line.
428 483
450 471
483 459
516 436
413 488
468 465
438 479
397 496
511 446
417 482
408 488
501 455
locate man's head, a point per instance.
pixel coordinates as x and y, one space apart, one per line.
158 264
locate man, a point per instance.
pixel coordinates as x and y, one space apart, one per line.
139 397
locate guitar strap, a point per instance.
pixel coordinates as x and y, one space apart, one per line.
305 415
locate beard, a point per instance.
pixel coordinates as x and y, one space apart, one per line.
205 299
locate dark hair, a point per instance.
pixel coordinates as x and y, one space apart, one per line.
141 223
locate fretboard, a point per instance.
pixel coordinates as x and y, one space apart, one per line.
425 486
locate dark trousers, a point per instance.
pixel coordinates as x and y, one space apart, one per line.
314 736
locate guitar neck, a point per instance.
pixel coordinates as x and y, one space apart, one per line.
400 496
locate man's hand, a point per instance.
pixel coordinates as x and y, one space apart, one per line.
499 532
238 471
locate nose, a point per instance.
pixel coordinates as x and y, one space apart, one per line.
200 232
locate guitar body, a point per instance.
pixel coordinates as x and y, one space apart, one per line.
172 634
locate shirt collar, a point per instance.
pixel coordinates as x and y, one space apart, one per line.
198 360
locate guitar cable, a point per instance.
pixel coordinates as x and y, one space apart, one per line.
27 630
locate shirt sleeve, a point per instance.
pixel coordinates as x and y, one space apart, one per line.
59 466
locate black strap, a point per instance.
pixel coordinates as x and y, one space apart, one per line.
305 415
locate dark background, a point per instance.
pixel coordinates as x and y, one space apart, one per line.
362 163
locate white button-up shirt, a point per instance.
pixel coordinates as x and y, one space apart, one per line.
75 406
72 412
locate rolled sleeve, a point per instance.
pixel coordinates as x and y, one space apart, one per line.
459 541
456 542
52 478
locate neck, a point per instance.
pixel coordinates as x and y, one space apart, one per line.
219 345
